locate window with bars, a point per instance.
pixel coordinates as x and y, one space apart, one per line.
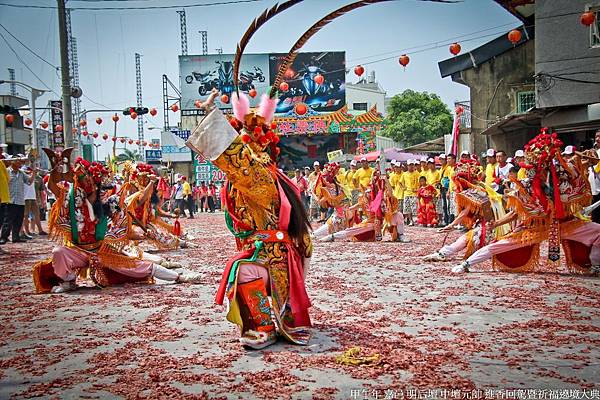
359 106
595 28
525 101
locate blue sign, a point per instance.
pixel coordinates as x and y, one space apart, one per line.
153 155
176 150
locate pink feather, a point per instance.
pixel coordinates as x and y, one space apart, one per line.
267 107
241 106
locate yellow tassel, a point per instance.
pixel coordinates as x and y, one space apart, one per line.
352 357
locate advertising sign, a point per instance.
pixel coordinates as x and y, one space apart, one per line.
153 155
302 151
56 118
206 172
200 74
328 96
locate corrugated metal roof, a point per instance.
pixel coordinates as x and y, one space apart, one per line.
483 53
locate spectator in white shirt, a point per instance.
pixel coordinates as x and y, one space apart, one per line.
502 171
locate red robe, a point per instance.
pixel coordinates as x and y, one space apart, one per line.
426 213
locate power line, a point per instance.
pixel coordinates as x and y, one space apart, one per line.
435 46
428 44
31 51
25 64
217 3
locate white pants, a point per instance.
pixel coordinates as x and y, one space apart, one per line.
454 248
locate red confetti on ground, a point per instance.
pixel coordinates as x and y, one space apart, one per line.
430 328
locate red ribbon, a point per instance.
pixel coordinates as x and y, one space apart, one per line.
559 211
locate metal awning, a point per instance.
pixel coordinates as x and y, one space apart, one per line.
431 146
516 122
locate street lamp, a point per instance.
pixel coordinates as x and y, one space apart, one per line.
96 146
35 93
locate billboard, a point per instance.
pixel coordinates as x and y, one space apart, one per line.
300 151
199 74
326 97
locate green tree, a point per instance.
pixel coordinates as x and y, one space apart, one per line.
416 117
128 155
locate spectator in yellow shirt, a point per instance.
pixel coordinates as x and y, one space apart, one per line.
410 184
517 160
395 178
490 168
349 181
447 182
187 195
363 175
433 177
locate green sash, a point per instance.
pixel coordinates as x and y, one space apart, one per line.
101 226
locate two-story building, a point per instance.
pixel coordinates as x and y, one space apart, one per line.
551 77
567 69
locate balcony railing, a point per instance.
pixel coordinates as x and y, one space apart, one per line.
465 117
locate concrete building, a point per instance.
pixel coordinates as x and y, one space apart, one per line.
500 78
16 135
549 78
567 69
365 94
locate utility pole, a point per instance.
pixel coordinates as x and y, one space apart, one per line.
64 70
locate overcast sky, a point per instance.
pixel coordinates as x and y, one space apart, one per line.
108 39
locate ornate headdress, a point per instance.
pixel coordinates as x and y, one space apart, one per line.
466 173
540 154
94 170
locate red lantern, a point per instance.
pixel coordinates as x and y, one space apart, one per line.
84 133
289 73
44 124
115 118
404 60
153 111
137 142
144 143
95 135
588 18
130 141
359 70
514 36
74 130
98 120
58 128
133 115
114 139
300 108
455 48
83 122
28 122
252 93
175 107
284 87
122 140
319 79
198 103
9 118
224 99
105 136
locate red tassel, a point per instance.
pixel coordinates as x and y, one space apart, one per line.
177 228
558 205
